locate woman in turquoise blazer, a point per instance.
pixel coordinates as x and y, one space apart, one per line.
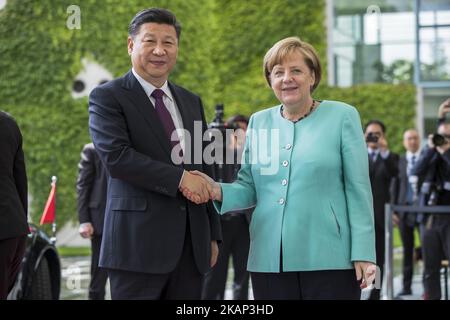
305 169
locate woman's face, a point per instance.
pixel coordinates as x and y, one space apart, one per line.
292 80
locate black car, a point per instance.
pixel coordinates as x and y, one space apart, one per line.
39 277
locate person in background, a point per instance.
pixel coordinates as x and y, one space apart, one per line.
383 168
13 203
91 203
406 191
434 164
235 234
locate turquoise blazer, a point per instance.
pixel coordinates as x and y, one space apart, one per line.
310 184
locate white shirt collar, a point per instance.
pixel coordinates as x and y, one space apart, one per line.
370 150
149 88
409 155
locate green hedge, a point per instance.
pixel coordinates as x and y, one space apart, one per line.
220 58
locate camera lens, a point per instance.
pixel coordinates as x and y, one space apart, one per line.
438 140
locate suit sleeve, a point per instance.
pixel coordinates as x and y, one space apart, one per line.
109 132
241 194
358 191
19 172
86 176
214 218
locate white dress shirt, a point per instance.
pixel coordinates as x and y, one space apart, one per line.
171 106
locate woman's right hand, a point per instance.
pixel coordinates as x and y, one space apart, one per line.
216 189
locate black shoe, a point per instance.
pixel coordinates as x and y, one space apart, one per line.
405 292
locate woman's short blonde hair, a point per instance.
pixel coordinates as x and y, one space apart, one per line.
283 48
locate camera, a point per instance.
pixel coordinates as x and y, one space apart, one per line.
218 124
372 137
438 140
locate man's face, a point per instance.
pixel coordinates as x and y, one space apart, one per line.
154 52
375 130
411 141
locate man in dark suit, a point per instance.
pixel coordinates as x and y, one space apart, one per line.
13 203
156 244
91 200
383 168
235 228
406 191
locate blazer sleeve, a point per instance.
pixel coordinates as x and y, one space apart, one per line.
19 172
358 191
85 180
109 133
241 194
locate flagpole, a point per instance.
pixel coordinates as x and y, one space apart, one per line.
53 238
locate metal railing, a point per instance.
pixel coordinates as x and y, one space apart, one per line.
389 209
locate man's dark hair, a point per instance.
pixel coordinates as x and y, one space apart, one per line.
155 15
378 122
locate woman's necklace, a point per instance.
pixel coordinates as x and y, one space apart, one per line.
311 109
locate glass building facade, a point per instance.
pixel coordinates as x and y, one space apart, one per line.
392 41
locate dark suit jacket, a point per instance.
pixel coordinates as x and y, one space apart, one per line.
436 171
382 174
13 180
402 181
91 189
146 215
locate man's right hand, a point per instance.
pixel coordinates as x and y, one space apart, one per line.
86 230
199 189
444 108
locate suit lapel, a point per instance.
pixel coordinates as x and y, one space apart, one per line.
187 118
138 97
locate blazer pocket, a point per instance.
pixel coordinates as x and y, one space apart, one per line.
128 204
338 226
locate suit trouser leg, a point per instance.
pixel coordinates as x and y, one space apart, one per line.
407 236
215 280
432 257
239 252
184 282
99 276
11 254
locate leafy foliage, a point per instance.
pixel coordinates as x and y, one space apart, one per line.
221 50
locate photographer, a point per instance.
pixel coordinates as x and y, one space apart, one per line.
235 225
435 229
383 168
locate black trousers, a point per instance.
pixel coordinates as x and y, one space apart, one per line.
406 228
11 254
379 252
306 285
235 244
183 283
435 247
99 276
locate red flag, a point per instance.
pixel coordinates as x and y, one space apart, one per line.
48 216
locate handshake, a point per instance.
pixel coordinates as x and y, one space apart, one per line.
199 187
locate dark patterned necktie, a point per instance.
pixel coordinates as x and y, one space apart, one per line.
164 116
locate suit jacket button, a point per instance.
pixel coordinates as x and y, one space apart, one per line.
281 201
285 163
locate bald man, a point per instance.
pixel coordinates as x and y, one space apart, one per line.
406 186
